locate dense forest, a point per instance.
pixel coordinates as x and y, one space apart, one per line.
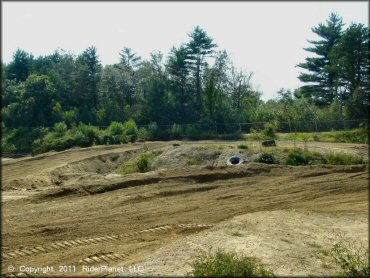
61 100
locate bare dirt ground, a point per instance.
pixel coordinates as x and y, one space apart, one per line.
71 211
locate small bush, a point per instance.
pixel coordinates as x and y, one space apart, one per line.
143 133
343 159
298 157
143 163
222 264
354 263
267 158
269 131
130 128
116 128
60 128
243 147
176 131
154 131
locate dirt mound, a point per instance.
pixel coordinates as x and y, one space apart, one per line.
177 157
93 168
280 248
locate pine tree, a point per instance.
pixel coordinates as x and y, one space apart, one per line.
88 72
20 68
323 77
178 68
200 46
352 54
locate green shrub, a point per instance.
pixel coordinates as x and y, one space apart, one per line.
116 128
176 131
20 140
299 157
153 130
155 133
143 133
269 131
267 158
130 128
343 159
354 263
60 128
222 264
143 163
358 135
8 147
243 147
91 134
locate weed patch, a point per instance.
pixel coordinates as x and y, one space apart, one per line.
140 164
268 158
353 262
223 264
243 147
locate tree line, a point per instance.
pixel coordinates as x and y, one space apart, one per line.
195 83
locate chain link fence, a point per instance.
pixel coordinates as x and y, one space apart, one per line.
283 127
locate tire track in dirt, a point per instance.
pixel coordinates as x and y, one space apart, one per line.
70 244
105 257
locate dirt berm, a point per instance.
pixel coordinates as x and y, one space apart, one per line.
286 216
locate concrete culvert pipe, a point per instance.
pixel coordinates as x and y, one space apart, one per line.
235 160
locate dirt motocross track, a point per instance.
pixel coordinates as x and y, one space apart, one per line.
71 211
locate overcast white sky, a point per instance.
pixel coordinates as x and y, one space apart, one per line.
266 38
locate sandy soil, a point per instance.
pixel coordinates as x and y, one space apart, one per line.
71 209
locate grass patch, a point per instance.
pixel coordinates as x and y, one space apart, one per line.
139 164
243 147
353 262
357 135
223 264
237 233
298 157
343 159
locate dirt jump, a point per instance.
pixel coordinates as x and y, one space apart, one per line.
74 213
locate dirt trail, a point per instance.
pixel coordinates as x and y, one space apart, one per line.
139 219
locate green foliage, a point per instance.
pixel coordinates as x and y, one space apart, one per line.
176 131
357 135
156 133
130 128
223 264
143 133
20 140
60 128
343 159
116 128
323 73
196 85
299 157
243 146
267 158
354 263
304 157
269 131
143 163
